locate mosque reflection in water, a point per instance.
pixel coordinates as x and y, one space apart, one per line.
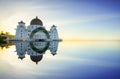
36 50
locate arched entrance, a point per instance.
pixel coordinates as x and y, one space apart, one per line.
39 34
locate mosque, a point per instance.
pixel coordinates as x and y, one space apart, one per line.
35 31
34 40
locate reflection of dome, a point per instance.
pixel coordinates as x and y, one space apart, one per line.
36 21
36 58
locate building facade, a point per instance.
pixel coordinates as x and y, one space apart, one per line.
35 31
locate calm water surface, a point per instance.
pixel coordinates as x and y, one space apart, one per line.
71 60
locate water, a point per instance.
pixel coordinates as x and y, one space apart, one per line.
71 60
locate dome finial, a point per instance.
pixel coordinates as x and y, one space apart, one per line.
36 17
21 22
36 62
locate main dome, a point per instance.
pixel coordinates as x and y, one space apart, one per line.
36 21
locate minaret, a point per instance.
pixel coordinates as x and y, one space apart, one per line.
53 33
20 31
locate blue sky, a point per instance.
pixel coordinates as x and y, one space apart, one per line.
76 19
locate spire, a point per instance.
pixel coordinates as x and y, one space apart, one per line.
21 22
36 62
36 17
53 26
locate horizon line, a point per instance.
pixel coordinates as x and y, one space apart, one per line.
91 40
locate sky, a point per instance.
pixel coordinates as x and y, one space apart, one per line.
75 19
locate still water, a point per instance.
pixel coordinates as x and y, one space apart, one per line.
60 60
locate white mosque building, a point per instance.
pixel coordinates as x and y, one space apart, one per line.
35 32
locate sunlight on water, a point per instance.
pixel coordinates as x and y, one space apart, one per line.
74 59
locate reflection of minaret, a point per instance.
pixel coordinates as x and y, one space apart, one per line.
53 47
21 49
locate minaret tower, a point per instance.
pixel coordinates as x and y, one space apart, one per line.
53 33
21 31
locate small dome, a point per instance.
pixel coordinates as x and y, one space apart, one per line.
36 58
21 22
36 21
